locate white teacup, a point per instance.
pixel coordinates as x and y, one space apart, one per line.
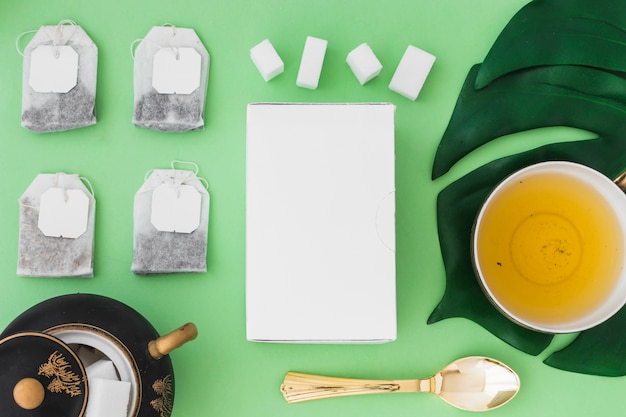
548 247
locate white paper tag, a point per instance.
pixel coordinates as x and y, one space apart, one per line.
53 69
63 213
176 70
176 208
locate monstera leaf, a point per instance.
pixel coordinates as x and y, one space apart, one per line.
528 94
558 32
561 95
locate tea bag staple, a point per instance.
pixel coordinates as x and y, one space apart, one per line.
170 80
49 103
41 255
166 251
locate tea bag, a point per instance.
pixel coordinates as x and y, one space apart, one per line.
171 75
59 79
171 219
57 219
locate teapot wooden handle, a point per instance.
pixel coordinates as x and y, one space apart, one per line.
175 339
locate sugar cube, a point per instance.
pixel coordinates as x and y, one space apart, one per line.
411 72
311 62
108 398
267 60
364 63
103 369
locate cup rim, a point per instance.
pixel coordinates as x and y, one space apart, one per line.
591 319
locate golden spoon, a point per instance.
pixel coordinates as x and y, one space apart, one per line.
474 383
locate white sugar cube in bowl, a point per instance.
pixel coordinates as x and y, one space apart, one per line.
108 398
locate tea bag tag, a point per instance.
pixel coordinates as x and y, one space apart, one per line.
176 70
63 213
53 69
176 208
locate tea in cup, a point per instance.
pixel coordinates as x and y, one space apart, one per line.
548 247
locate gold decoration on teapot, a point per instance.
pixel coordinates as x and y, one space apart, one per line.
163 404
63 378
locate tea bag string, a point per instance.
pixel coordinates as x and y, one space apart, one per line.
57 37
172 47
181 180
195 170
170 175
84 180
19 38
204 182
133 44
88 184
60 29
170 25
176 181
57 178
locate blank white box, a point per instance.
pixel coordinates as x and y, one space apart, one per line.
311 63
267 60
320 223
411 72
364 63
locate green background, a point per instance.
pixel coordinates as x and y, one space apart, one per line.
222 374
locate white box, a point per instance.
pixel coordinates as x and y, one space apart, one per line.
320 223
411 73
311 62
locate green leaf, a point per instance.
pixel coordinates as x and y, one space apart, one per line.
559 32
598 351
574 96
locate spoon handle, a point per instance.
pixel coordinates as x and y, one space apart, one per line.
299 387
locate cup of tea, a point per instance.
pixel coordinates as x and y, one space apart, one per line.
548 247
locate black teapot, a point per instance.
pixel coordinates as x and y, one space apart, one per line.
43 374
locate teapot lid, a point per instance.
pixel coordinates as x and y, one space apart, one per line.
40 376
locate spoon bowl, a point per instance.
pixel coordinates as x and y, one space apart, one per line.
474 383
